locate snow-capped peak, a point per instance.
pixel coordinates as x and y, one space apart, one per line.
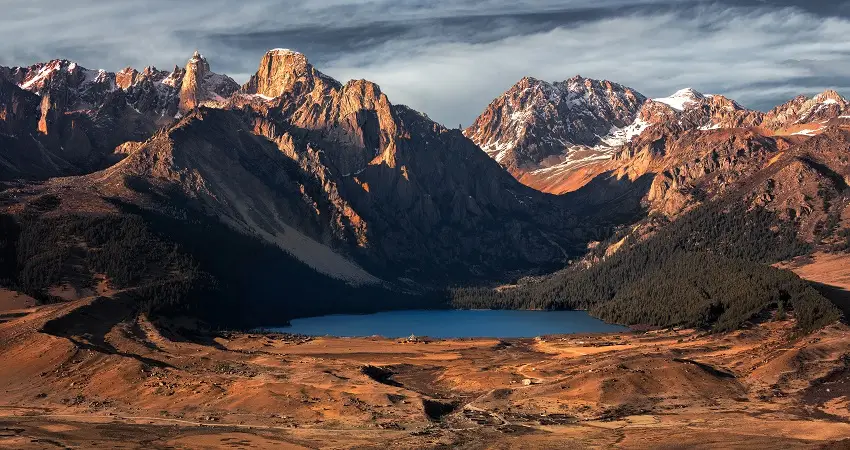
829 97
681 99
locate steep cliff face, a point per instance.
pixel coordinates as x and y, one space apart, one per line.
22 154
356 117
284 71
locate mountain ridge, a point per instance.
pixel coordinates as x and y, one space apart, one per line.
543 154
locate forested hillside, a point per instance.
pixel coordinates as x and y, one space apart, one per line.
706 269
193 265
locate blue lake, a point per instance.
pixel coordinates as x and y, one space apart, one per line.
451 324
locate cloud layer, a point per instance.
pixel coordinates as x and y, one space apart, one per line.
451 61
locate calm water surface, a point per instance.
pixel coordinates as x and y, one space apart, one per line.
451 324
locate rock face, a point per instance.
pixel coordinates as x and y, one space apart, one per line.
356 117
283 70
22 153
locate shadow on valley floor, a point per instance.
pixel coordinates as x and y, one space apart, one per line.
837 295
87 326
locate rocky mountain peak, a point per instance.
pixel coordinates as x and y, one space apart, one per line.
127 77
55 74
576 112
174 78
200 84
801 109
284 70
829 96
198 61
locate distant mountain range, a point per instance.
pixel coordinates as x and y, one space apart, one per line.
556 137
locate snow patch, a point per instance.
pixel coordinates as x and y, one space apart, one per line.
682 99
38 80
621 136
805 133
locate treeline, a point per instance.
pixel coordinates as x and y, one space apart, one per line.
73 248
706 269
192 265
710 291
843 243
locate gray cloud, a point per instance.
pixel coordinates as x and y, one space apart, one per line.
450 61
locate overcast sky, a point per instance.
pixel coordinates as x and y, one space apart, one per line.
450 59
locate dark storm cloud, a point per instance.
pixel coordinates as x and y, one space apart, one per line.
449 59
325 42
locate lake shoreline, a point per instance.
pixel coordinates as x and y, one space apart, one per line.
449 324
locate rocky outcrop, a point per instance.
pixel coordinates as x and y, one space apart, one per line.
357 118
285 71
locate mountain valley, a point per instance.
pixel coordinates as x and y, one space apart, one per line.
152 220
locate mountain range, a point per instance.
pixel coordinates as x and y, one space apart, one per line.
556 137
333 180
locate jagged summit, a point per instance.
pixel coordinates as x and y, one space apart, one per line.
200 84
829 96
282 70
801 110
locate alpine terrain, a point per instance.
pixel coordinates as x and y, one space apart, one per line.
153 222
